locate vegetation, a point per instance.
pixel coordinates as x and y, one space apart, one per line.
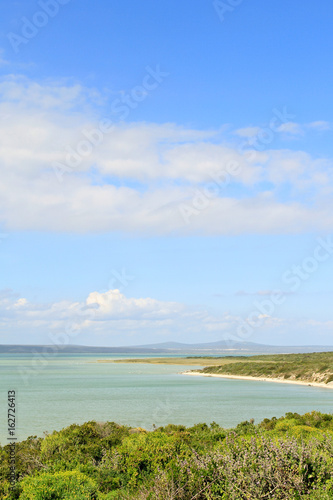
172 360
286 458
312 367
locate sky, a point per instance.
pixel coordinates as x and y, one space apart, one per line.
166 172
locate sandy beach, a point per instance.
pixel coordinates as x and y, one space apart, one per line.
261 379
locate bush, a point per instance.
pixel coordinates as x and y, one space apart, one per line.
259 468
286 458
70 485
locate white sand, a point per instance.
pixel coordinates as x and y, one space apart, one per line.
262 379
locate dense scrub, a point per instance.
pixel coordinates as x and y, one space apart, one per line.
312 367
286 458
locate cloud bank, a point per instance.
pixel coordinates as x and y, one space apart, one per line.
111 318
67 168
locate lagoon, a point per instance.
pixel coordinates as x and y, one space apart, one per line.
70 389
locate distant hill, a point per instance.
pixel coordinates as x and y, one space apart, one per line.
220 347
221 344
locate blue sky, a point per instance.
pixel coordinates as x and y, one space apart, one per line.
166 172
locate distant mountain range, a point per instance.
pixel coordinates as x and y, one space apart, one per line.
221 347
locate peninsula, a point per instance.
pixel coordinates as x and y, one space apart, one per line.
309 368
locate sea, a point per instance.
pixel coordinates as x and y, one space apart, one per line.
54 392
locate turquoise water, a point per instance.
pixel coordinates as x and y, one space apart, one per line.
75 388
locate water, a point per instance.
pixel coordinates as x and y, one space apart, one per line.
75 388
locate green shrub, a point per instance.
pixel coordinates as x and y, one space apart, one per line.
290 457
70 485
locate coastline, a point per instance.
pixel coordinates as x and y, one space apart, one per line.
261 379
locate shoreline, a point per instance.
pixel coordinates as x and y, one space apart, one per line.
261 379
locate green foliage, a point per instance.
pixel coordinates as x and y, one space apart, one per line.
255 468
245 428
69 485
313 420
312 367
141 456
284 458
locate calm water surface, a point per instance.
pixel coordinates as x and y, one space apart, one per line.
75 388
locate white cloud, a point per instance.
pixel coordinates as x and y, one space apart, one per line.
109 317
141 176
248 132
112 318
113 304
52 95
298 129
299 169
291 128
319 125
